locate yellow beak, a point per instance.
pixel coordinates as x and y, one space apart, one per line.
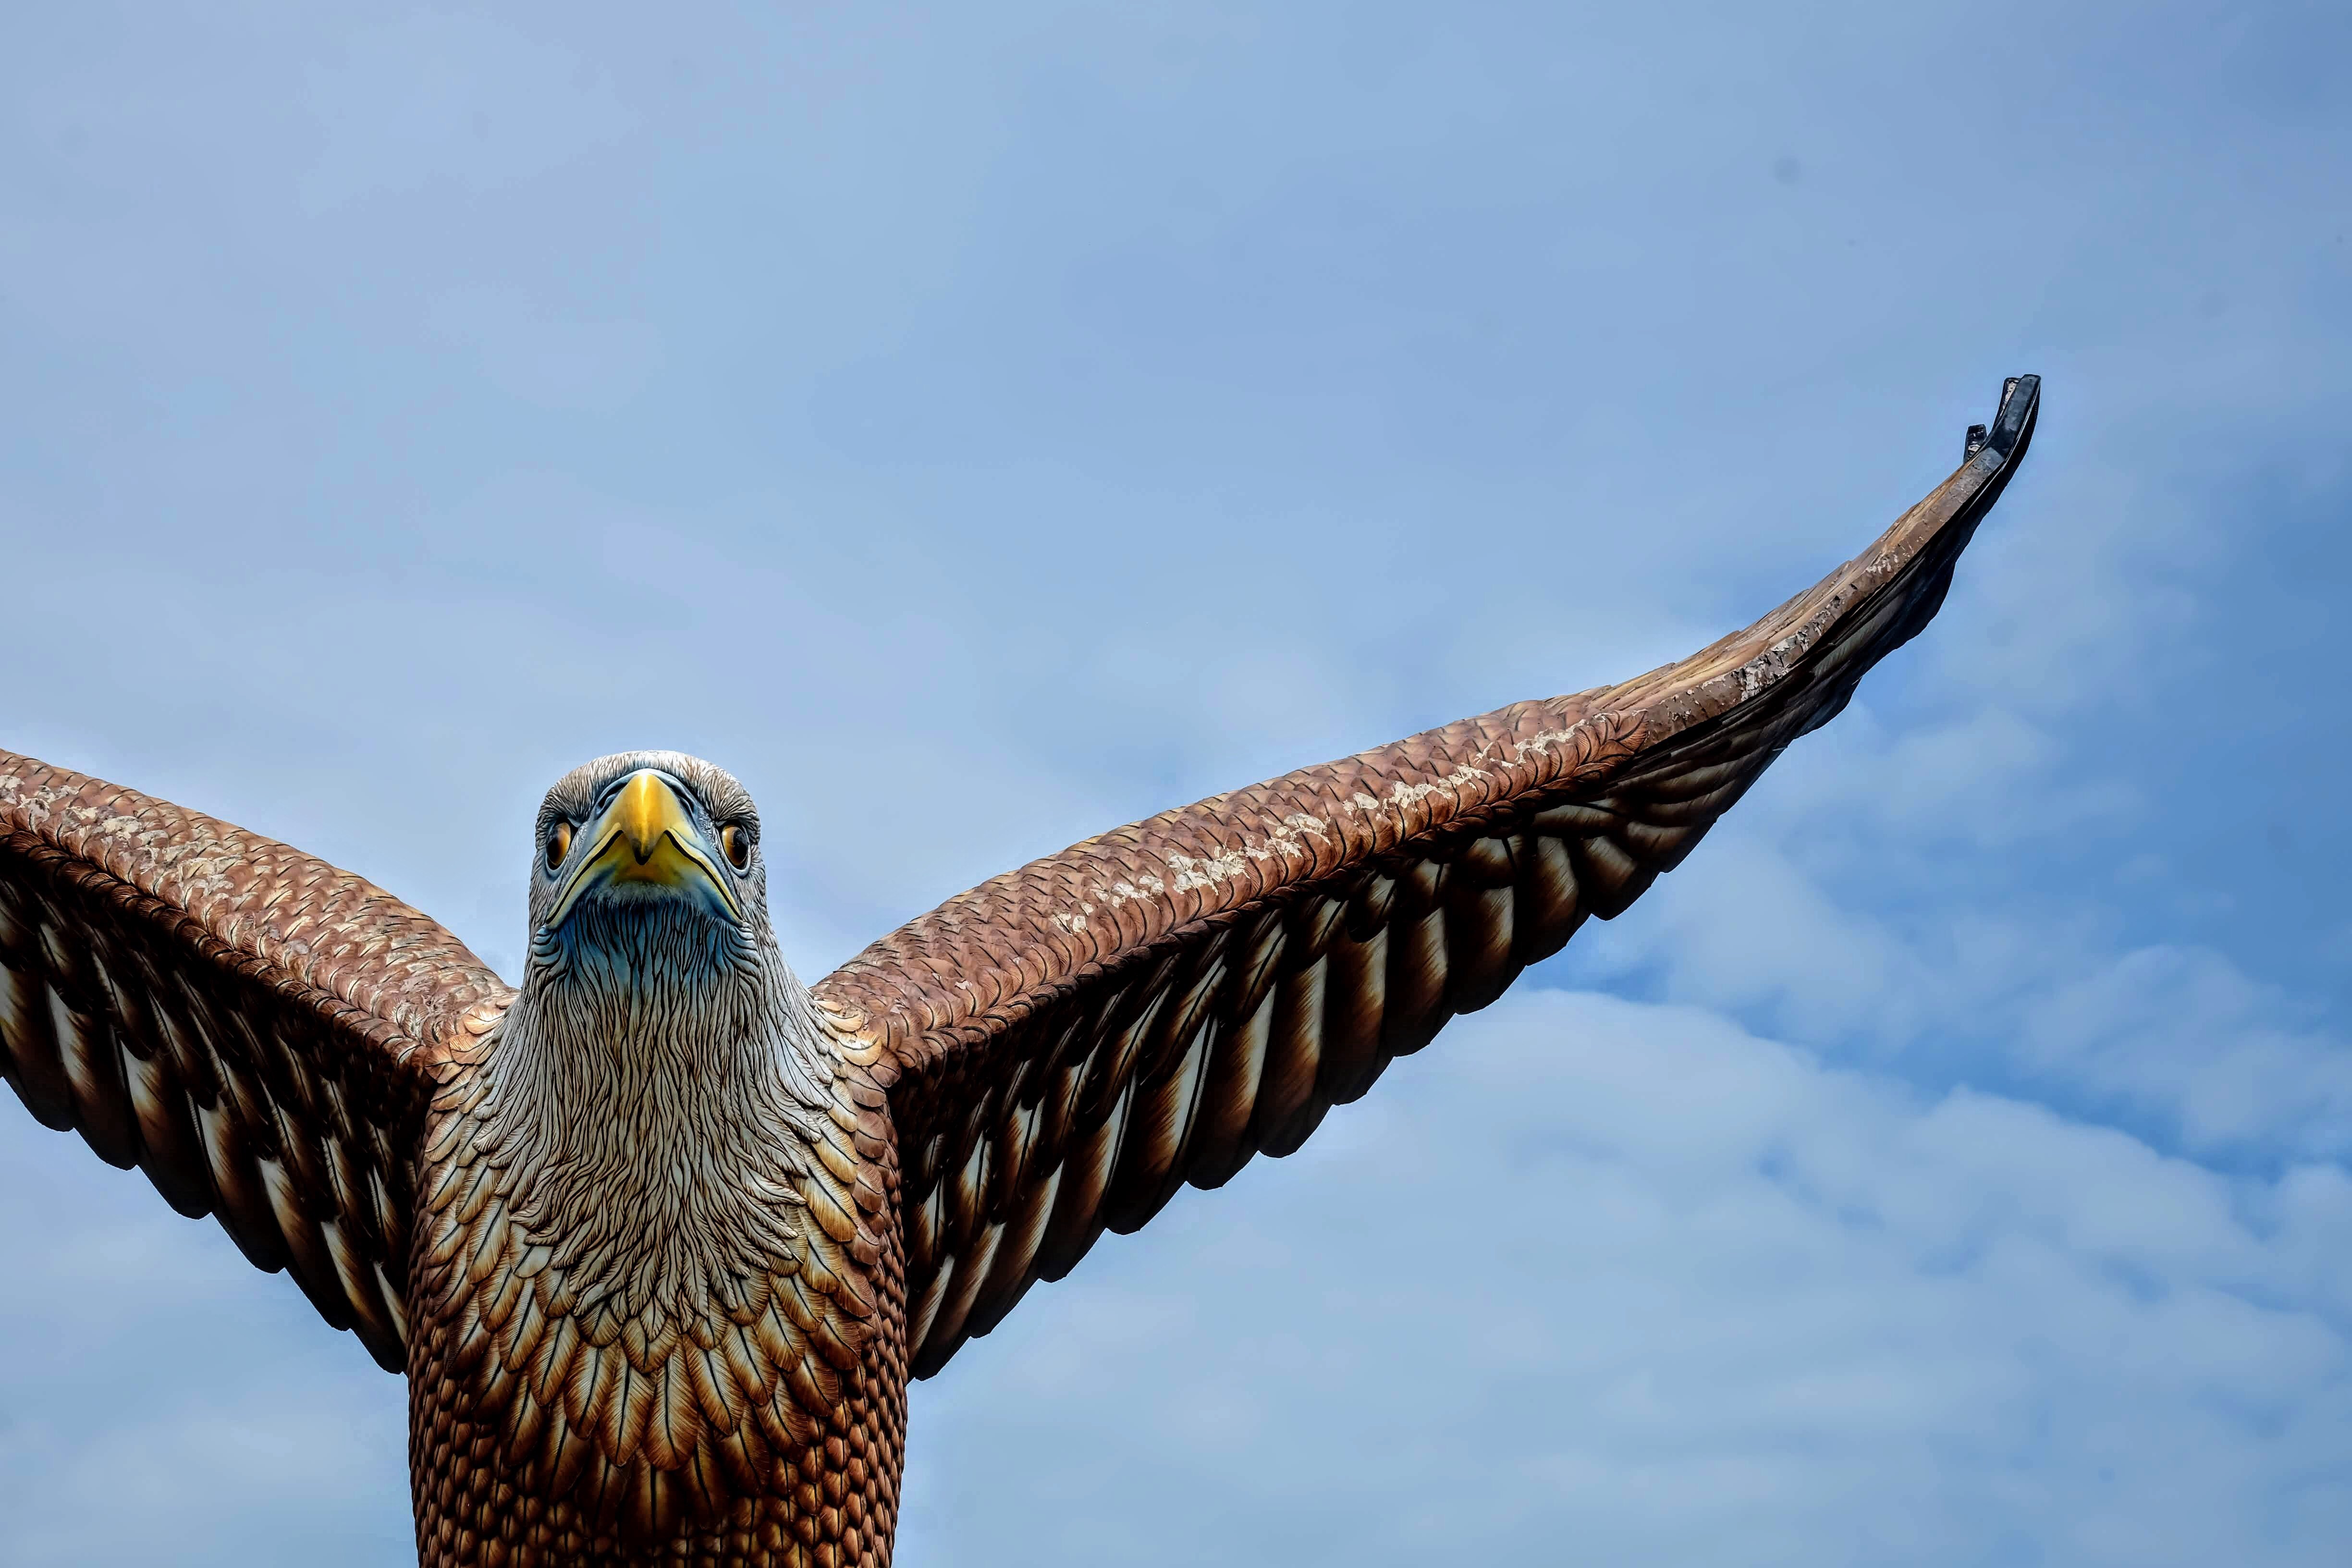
645 810
645 836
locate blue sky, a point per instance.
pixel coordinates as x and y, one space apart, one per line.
977 426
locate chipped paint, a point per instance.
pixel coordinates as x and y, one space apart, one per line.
1193 872
1123 892
1404 796
1286 840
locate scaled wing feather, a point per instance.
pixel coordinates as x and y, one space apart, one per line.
1071 1042
257 1030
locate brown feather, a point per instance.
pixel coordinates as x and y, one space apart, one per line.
1229 1097
1547 911
36 1071
1355 995
1478 945
101 1098
1078 1207
1293 1056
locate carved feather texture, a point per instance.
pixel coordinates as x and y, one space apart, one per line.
656 1276
256 1030
1163 1003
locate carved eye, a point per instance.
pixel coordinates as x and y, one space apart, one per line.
738 846
559 844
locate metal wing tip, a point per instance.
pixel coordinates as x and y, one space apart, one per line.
2019 396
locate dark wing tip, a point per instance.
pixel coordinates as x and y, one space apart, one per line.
2012 424
1993 451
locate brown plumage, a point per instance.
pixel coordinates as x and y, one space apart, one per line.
660 1236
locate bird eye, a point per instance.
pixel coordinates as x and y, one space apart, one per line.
559 844
738 845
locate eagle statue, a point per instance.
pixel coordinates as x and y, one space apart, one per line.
660 1234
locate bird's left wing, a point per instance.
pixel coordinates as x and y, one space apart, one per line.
256 1030
1066 1046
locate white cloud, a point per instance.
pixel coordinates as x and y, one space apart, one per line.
2185 1032
2177 1033
1592 1278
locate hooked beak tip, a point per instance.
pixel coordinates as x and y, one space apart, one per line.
645 810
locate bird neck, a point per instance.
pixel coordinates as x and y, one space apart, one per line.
657 1115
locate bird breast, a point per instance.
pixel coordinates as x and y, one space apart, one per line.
643 1268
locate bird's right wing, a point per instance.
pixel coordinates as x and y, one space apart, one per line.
255 1029
1069 1044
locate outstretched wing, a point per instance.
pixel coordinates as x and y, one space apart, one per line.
255 1029
1076 1039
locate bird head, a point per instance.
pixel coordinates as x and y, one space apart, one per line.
652 856
660 1068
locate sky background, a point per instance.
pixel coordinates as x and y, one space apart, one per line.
980 426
